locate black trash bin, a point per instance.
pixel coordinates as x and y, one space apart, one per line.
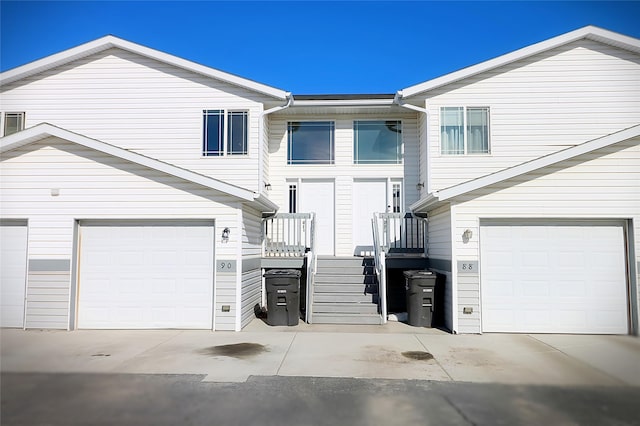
283 296
421 297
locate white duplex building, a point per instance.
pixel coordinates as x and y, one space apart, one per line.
142 190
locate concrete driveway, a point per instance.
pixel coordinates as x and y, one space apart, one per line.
393 351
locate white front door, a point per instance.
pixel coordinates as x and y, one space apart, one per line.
146 275
369 197
318 197
553 279
13 270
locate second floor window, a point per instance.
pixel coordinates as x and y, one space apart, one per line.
464 130
377 142
13 122
224 132
310 142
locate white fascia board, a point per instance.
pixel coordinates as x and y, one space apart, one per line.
109 42
589 32
426 203
344 102
264 204
538 163
44 130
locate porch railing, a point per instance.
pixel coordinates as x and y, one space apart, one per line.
401 233
288 234
381 270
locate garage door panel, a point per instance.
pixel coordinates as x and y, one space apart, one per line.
559 279
13 270
137 276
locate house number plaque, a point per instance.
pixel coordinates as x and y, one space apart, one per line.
467 266
223 266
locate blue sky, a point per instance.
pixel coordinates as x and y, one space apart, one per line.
310 47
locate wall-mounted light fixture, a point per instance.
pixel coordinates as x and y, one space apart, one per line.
267 186
419 186
466 235
55 192
225 235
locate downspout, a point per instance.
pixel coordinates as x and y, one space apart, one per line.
263 114
397 99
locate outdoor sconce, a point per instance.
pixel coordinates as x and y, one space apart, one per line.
267 186
419 186
225 235
466 235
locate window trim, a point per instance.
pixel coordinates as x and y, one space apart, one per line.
226 114
20 114
465 109
374 120
332 144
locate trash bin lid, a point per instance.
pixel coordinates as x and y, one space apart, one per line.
417 273
283 273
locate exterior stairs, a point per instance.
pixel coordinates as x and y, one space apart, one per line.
345 291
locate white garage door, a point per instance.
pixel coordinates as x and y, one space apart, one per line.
134 275
13 270
554 279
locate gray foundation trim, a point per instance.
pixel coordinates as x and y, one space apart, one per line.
49 265
251 264
440 264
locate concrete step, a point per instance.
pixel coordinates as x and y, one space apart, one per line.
345 279
345 261
344 270
351 308
344 298
325 318
345 288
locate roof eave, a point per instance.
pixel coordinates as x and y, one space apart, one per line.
588 32
44 130
108 42
530 166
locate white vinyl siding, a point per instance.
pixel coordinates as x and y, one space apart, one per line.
93 185
141 105
343 170
251 269
539 105
599 185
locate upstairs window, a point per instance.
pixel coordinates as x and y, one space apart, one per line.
377 142
13 122
310 142
224 132
464 130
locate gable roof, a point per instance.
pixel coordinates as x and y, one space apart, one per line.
437 197
108 42
588 32
45 130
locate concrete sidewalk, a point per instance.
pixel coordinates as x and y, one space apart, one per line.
392 351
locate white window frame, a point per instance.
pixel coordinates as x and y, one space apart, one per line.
466 130
357 162
332 145
226 151
21 115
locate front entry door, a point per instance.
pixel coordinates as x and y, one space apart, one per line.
369 197
318 197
